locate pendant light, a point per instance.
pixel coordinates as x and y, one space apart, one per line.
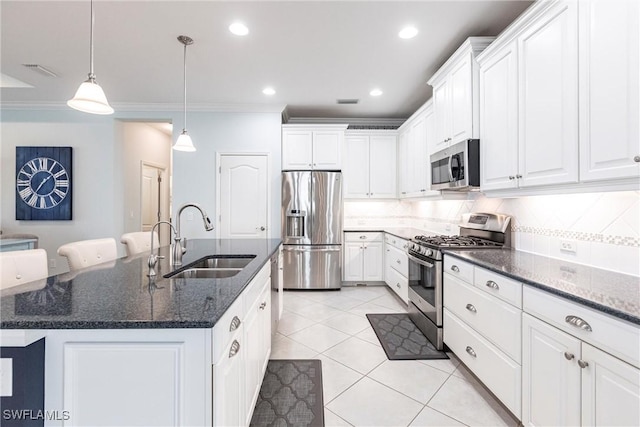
90 97
184 143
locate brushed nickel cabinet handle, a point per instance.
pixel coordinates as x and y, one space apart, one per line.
471 308
578 323
398 285
398 261
235 347
471 351
636 159
518 176
568 355
493 285
363 237
263 305
511 177
235 322
455 268
583 364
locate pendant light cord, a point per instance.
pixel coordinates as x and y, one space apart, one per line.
91 75
184 123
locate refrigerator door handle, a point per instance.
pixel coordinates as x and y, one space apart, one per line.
308 249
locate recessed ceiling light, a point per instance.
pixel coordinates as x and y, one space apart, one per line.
239 29
375 92
269 91
408 33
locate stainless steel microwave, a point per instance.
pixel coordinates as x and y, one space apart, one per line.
456 167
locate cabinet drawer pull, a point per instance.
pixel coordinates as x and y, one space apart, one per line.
636 159
511 177
363 237
493 285
235 347
398 285
471 352
583 364
455 268
235 322
471 308
578 323
518 176
568 355
263 305
398 261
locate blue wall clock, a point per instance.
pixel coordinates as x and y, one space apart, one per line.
43 183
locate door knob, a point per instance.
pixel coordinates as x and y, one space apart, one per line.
261 228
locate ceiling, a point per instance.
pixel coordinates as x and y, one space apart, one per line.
311 53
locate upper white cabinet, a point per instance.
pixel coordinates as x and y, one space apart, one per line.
455 95
370 165
307 147
417 136
609 89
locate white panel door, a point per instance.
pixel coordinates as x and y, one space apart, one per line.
610 390
460 96
327 150
382 167
243 196
548 98
609 89
356 171
373 261
442 111
353 253
297 151
499 120
150 196
550 375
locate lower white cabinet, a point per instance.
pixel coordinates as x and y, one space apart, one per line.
228 405
396 266
569 382
363 257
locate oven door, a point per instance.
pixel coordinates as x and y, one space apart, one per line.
425 287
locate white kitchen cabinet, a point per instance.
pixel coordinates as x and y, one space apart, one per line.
363 257
456 96
306 147
567 380
396 266
370 166
548 98
229 404
609 89
416 136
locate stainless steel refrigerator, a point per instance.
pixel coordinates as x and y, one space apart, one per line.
312 229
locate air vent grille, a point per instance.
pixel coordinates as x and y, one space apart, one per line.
40 69
347 101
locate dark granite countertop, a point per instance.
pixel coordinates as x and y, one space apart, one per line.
118 294
613 293
402 232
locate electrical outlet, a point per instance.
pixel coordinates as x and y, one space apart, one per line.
6 377
570 246
52 263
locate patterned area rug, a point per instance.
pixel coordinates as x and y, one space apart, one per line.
291 395
401 338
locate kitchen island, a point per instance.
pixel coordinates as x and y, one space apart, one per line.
126 349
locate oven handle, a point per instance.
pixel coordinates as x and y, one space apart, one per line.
420 261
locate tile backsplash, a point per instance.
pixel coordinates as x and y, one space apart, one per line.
603 228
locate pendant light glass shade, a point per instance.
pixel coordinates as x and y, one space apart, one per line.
184 143
90 97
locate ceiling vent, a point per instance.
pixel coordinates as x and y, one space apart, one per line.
40 69
347 101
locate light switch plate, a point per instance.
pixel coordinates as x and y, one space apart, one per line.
6 377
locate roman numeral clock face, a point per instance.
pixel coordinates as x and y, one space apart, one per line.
43 183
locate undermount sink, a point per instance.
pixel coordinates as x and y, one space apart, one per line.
213 267
206 273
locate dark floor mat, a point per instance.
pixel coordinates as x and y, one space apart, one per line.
401 339
291 395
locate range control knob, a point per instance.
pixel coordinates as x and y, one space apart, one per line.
429 252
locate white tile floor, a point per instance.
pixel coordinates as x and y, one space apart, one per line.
361 386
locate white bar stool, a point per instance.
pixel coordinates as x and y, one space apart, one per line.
86 253
137 242
18 267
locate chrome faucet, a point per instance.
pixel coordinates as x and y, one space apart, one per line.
153 258
180 246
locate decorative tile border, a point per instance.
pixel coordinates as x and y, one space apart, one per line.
579 235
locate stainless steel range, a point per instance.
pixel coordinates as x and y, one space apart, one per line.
477 231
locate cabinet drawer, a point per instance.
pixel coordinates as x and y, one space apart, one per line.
251 293
365 236
496 320
227 328
499 286
615 336
458 268
398 260
399 284
494 368
395 241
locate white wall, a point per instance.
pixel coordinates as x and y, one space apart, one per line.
605 226
98 175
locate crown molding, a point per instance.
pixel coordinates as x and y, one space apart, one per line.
126 107
346 120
